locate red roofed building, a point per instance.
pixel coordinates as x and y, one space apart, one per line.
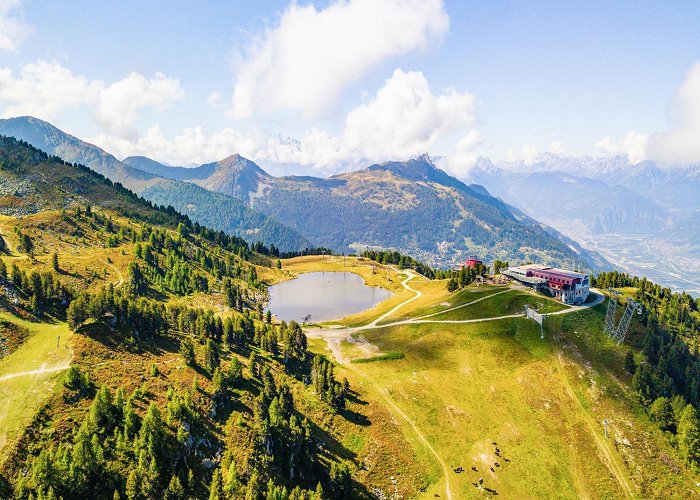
472 261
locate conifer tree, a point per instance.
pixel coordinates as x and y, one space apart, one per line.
689 435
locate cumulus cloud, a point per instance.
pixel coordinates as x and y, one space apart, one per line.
45 89
633 145
119 103
681 143
404 119
463 158
310 56
192 146
12 29
528 154
197 145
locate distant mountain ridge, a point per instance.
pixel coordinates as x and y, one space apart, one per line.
560 197
411 205
643 216
676 187
218 212
234 175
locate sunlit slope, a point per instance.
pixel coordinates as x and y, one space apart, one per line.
29 375
465 387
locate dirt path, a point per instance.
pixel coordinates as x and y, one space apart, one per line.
409 276
39 371
386 396
116 270
617 470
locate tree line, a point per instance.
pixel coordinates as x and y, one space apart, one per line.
667 379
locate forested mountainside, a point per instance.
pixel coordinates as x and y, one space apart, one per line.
410 206
178 385
225 213
235 175
229 215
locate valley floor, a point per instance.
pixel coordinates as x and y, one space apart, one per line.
660 260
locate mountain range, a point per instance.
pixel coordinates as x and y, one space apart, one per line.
203 206
642 216
411 206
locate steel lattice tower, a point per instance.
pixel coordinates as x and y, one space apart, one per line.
621 331
612 309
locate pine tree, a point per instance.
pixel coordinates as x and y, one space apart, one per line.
54 261
661 412
216 491
233 482
235 371
211 356
689 435
174 491
132 485
187 352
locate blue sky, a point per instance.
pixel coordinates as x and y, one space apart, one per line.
331 83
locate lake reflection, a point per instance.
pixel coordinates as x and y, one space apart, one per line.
325 296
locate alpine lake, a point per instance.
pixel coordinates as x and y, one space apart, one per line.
323 296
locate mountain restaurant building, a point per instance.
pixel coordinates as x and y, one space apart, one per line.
568 286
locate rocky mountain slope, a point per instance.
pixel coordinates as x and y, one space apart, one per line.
411 206
220 212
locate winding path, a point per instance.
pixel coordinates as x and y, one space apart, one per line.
116 269
335 336
40 371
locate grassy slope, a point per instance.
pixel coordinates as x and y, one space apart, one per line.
22 396
467 386
542 401
511 302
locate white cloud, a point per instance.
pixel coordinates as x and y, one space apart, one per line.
119 103
45 89
311 55
460 162
405 118
681 144
197 145
12 29
557 148
528 154
633 145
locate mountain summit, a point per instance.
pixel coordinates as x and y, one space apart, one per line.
412 206
218 211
